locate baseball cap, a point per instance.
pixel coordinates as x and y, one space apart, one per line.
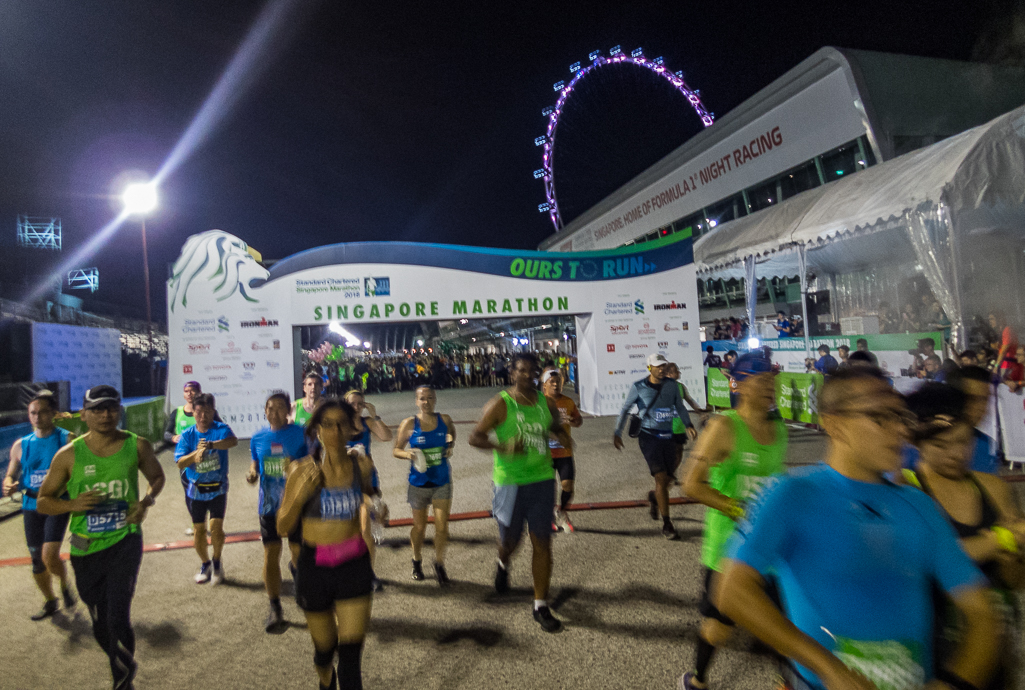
657 360
549 373
750 364
98 395
192 384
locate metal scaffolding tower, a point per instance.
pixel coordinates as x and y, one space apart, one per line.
39 233
84 279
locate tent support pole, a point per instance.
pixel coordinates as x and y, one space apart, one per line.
802 264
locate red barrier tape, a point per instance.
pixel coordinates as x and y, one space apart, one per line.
240 537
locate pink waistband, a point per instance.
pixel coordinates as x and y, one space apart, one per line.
332 555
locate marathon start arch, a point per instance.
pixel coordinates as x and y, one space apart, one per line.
232 324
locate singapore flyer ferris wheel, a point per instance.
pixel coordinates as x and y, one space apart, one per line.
554 113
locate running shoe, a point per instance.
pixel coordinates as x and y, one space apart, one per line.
203 576
685 682
418 570
275 618
218 574
439 572
501 579
652 505
670 533
49 608
69 598
549 623
190 531
567 526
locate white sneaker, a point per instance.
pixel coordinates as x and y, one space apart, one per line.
218 573
190 532
203 576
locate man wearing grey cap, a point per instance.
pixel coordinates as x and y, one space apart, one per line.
657 404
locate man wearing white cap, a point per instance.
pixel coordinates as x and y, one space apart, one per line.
657 405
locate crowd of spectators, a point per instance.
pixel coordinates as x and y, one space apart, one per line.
738 329
384 373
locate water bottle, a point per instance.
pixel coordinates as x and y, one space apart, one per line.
376 511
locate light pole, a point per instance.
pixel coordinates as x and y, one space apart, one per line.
140 199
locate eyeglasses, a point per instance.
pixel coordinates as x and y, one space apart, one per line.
901 418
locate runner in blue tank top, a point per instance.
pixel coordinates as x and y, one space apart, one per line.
30 461
430 437
369 424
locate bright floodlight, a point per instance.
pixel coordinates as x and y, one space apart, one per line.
366 344
419 343
753 343
140 198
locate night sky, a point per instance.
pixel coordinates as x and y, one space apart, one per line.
382 121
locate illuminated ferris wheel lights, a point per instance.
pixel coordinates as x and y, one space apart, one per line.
658 60
616 50
575 67
594 55
557 86
636 52
539 173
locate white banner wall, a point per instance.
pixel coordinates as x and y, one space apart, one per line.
230 320
86 357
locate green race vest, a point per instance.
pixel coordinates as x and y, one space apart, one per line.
678 426
740 476
301 415
117 476
531 424
182 421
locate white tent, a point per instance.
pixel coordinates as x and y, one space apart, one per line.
927 206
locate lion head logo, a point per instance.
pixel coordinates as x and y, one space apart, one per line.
217 261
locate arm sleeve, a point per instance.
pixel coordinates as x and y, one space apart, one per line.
764 537
631 400
681 409
169 427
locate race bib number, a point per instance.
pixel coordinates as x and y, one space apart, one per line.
662 414
889 664
211 462
433 456
274 466
552 443
35 480
107 517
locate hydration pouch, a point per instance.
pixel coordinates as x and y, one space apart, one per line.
634 427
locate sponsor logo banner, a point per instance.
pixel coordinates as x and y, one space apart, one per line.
377 287
264 322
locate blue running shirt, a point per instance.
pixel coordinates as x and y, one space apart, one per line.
36 456
854 562
272 451
208 478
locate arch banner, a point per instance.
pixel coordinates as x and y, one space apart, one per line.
231 322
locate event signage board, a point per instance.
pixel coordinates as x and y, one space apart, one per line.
822 116
230 320
85 357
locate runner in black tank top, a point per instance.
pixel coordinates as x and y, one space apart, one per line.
979 506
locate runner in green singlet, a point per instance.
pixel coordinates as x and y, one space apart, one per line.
736 455
302 409
99 472
524 478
